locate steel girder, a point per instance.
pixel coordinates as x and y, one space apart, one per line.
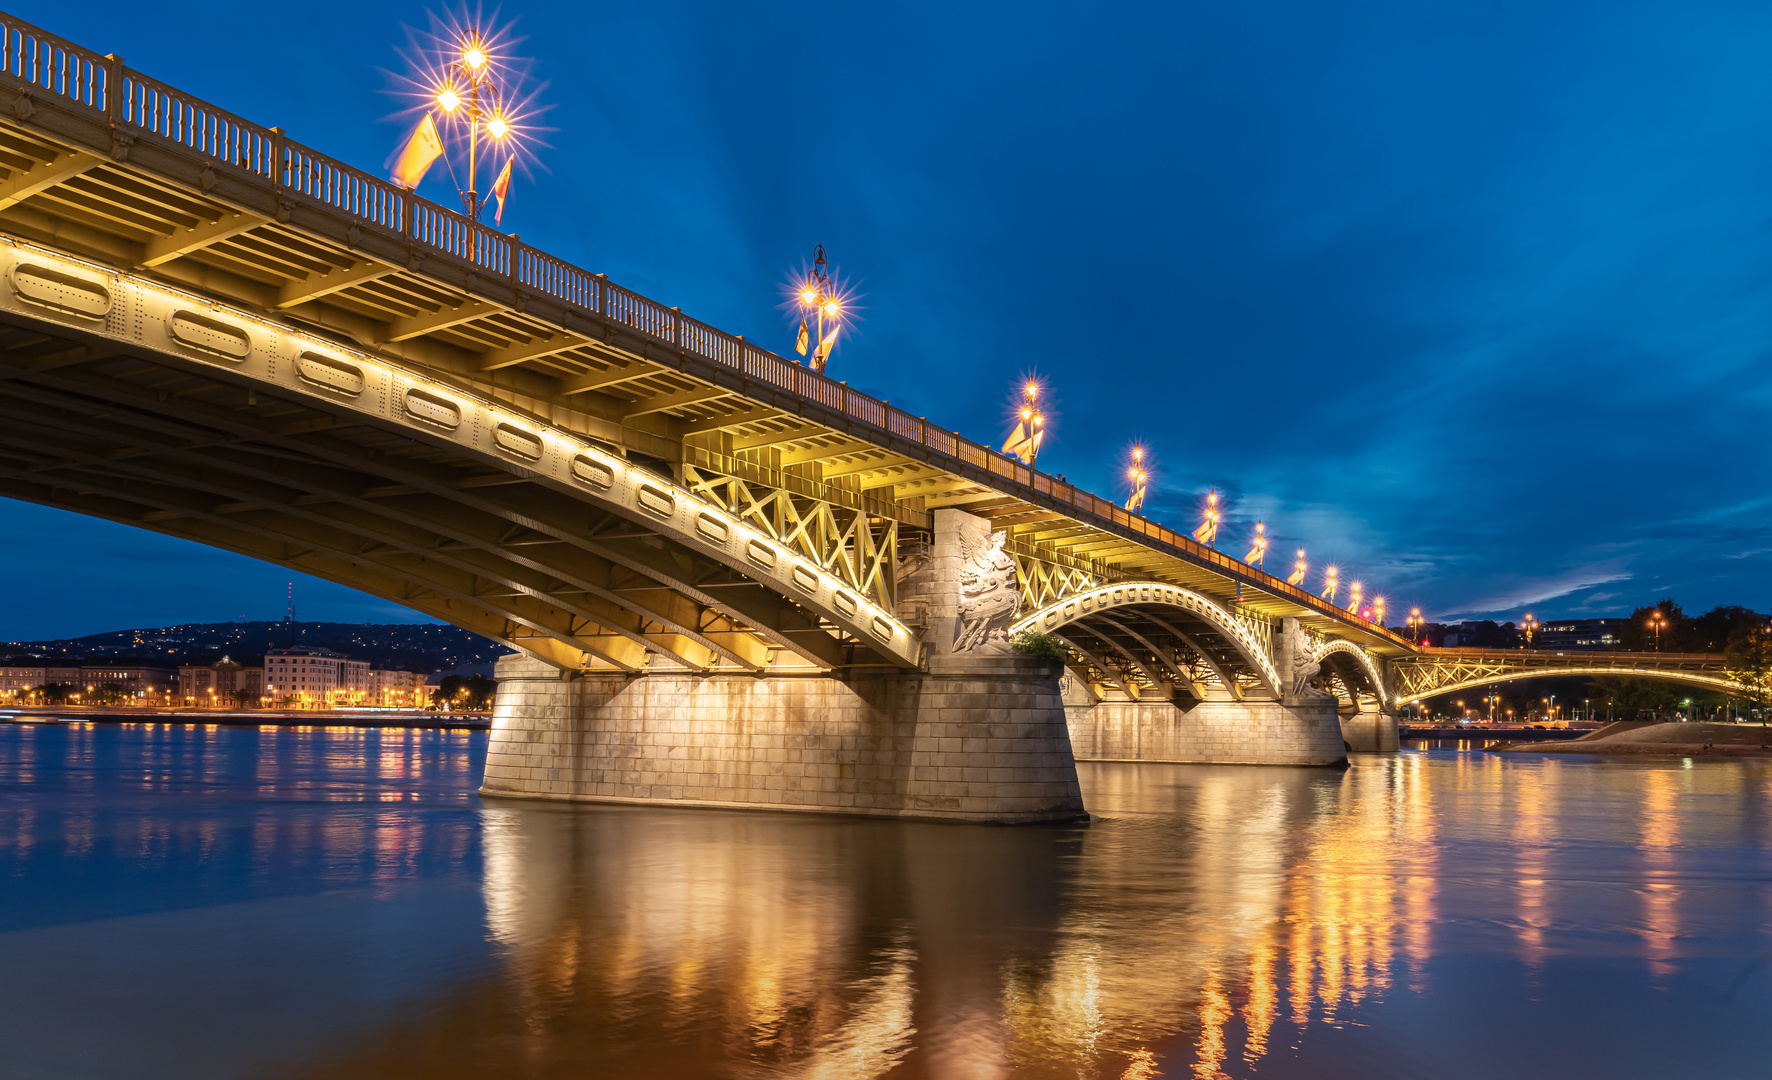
190 441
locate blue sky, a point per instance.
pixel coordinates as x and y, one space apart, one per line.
1472 299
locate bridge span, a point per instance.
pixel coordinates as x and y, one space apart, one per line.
1434 672
727 578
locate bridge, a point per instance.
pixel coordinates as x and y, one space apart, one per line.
728 579
1433 672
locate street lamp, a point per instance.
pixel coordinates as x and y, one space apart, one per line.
1030 427
1416 622
470 85
1656 621
1529 625
819 304
1139 479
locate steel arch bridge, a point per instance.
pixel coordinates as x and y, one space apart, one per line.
1151 638
212 331
1433 672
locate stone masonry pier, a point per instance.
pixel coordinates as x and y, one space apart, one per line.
973 739
1215 732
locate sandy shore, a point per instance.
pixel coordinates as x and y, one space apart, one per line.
1674 739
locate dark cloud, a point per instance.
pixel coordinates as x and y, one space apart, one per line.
1472 299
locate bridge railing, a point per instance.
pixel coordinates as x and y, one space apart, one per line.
56 67
143 106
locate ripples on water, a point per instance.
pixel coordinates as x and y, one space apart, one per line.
295 904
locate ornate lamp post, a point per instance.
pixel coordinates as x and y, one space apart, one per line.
1139 479
1656 621
1030 427
819 304
1529 625
470 84
1331 582
1207 533
1416 622
1257 546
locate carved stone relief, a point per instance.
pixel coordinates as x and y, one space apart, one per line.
990 595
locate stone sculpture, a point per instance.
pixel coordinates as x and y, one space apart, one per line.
1304 667
990 596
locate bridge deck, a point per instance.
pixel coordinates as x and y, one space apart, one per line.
106 163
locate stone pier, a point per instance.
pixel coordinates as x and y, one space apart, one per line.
973 739
1367 729
1218 732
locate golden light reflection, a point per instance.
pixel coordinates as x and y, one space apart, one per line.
1173 936
1661 897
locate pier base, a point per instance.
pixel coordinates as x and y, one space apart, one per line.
974 739
1368 731
1206 732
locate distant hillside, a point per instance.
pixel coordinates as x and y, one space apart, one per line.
426 647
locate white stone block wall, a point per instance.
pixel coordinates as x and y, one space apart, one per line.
1227 732
973 740
1364 730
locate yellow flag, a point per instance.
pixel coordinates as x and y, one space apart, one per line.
422 148
800 342
823 352
1017 442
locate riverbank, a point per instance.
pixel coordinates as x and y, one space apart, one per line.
1673 739
1509 732
99 714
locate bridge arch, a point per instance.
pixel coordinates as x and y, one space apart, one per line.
1158 633
1687 678
1359 664
149 405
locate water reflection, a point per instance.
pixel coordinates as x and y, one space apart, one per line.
1411 916
1207 921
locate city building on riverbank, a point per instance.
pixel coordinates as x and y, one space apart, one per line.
1578 635
225 682
395 689
307 677
117 682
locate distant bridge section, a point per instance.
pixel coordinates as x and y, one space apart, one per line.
1432 672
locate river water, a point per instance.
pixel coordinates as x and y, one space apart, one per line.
193 902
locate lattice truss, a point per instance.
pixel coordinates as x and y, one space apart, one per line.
1142 653
1427 674
1422 678
856 548
1045 582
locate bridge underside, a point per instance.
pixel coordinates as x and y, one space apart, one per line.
181 448
1153 651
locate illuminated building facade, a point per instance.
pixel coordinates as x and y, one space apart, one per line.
225 682
317 678
135 682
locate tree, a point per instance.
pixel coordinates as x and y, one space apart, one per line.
447 690
1637 636
1715 629
1748 656
481 691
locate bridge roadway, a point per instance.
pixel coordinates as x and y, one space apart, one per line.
213 331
